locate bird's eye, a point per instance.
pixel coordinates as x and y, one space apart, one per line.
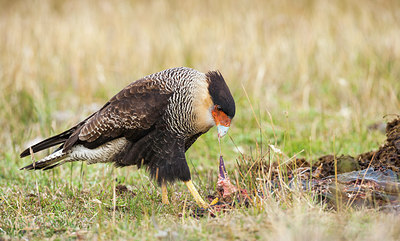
218 107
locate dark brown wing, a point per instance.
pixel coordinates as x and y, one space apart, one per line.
130 113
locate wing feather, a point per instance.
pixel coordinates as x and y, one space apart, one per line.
134 109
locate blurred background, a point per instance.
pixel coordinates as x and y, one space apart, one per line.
308 76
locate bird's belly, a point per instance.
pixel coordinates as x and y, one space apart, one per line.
103 153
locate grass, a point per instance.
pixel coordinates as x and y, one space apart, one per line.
307 76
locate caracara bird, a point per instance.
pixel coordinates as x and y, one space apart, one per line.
151 122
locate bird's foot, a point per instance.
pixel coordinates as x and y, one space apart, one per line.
215 201
196 195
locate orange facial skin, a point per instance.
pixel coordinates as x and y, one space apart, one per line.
220 117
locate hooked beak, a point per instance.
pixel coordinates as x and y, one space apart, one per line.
222 130
221 120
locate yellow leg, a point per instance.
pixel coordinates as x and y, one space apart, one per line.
164 193
196 195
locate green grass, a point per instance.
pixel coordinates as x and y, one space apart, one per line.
308 77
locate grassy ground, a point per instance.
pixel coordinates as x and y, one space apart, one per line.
307 76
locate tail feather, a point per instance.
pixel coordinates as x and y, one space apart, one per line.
55 165
57 139
50 161
52 141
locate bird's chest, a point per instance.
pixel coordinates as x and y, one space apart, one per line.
189 111
202 106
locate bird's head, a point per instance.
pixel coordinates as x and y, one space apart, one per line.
223 109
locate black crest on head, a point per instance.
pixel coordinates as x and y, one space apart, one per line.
220 93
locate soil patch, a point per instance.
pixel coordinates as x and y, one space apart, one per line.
369 179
